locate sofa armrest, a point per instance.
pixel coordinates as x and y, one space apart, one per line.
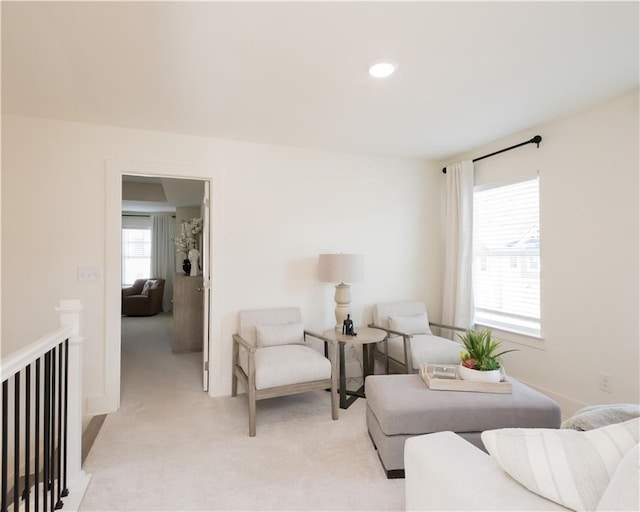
445 472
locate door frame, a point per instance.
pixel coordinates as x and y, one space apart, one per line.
115 170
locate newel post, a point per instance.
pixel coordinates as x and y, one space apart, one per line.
70 315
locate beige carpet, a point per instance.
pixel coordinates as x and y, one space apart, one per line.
171 447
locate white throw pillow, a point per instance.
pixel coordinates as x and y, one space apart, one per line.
149 284
284 334
415 324
596 416
623 492
569 467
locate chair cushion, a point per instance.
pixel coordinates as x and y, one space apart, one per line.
285 334
567 466
382 312
287 364
247 320
414 324
425 348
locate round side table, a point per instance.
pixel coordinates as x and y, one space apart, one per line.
365 336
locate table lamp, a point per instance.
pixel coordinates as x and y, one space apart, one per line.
341 268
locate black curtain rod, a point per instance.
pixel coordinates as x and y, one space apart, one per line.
536 140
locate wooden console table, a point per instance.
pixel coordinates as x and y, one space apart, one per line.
188 314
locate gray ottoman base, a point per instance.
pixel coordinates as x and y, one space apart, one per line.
391 448
401 406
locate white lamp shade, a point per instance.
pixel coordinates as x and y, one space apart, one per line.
341 268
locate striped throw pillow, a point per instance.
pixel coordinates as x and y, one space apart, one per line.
569 467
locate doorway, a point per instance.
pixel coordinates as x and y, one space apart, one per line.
109 400
163 274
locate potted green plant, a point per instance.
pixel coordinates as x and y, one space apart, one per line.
481 359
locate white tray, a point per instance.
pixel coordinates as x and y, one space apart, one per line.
457 384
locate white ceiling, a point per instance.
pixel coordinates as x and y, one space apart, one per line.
153 194
295 74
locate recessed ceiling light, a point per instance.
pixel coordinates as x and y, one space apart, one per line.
382 69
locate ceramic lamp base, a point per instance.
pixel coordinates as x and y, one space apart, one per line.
343 301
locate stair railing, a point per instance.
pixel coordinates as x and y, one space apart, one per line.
41 425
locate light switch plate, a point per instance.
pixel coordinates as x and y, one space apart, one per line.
89 274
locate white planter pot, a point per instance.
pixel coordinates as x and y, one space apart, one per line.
479 376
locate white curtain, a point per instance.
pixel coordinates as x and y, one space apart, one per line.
457 301
163 255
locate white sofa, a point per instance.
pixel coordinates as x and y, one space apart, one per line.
445 472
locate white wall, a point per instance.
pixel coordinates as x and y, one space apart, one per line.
281 207
589 230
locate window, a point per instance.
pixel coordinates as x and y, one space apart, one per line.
136 255
506 257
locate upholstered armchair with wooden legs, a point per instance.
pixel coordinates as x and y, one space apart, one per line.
271 358
410 340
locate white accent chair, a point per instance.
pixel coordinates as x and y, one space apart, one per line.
411 341
271 359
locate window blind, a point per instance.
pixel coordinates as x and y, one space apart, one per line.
506 257
136 255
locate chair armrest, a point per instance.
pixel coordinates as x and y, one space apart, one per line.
129 290
318 336
406 342
452 327
391 331
241 341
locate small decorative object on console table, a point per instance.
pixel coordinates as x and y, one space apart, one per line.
194 259
480 362
187 242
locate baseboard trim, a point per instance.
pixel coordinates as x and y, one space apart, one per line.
569 406
90 434
102 404
77 489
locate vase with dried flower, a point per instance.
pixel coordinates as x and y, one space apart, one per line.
187 245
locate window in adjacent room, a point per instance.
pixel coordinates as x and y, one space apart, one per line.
136 255
506 257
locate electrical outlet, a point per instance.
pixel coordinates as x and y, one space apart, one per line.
605 382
